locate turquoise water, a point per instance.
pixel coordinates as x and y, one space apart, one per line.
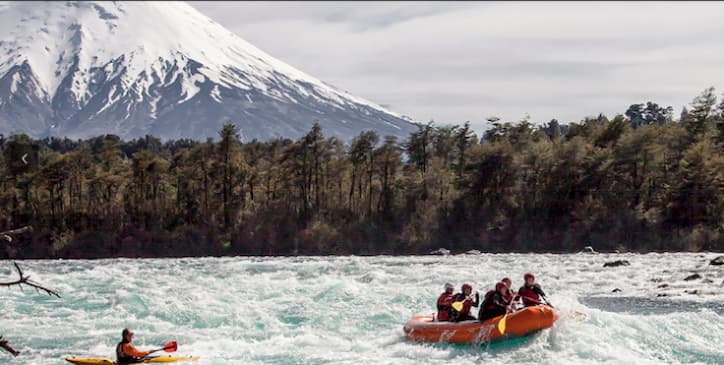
351 310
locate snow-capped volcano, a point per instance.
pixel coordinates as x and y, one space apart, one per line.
82 69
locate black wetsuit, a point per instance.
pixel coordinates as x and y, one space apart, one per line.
495 305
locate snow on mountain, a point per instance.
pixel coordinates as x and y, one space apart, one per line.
81 69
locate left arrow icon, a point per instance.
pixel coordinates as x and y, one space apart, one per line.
24 158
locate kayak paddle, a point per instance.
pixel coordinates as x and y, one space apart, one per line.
169 347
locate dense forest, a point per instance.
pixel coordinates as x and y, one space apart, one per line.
641 181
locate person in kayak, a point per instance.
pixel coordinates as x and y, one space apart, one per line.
465 302
531 291
443 303
496 304
126 353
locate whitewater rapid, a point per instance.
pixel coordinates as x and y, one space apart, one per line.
351 310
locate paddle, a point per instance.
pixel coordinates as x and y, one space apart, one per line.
501 324
169 347
458 306
502 321
540 292
547 302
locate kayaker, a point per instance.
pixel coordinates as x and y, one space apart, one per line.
443 303
466 303
531 291
495 305
126 353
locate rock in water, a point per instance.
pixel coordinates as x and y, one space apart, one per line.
717 261
440 251
617 263
692 277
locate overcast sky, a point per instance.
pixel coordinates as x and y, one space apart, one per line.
465 61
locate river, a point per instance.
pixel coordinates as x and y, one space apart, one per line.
351 310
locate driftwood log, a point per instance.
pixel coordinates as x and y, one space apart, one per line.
4 344
8 235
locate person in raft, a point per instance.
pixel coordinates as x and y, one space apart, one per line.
496 304
443 303
531 291
462 303
126 353
510 295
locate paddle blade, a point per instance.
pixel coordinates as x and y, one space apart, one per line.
170 347
501 324
458 306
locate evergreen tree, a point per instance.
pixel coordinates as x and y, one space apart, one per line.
701 114
229 167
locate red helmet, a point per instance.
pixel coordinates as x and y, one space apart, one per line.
506 280
467 286
528 275
500 285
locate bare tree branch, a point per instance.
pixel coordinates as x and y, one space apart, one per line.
22 280
4 344
25 280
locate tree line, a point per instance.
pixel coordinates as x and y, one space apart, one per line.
643 180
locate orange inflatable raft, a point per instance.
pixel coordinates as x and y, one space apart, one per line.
516 324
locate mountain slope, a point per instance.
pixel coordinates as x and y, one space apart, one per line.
81 69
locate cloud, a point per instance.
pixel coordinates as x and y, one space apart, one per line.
458 61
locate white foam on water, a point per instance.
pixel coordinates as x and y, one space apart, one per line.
350 310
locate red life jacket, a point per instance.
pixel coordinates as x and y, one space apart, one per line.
529 295
467 304
443 306
509 295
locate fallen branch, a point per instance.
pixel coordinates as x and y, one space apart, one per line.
7 235
22 280
4 344
25 280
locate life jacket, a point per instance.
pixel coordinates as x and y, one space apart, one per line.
466 301
454 313
529 294
494 305
121 357
509 295
443 306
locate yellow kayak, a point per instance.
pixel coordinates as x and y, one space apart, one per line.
107 361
